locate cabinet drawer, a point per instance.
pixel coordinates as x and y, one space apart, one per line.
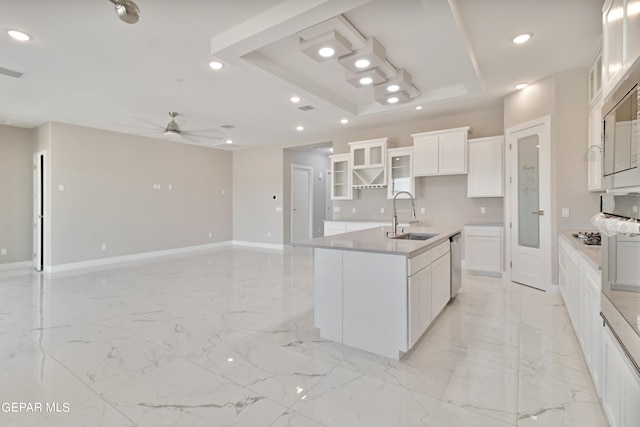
419 262
440 250
482 231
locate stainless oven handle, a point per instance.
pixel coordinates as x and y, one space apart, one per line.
624 348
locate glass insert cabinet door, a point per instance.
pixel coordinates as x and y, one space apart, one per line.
529 192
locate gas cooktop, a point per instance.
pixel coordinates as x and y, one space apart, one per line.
590 238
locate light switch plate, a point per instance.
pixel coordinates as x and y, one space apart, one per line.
565 212
3 251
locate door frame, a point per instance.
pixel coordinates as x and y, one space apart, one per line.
40 237
546 203
309 171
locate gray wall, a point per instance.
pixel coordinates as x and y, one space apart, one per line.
16 190
319 163
257 177
563 96
109 198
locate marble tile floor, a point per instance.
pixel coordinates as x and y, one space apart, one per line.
226 338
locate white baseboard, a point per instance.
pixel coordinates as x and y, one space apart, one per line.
133 257
256 245
16 265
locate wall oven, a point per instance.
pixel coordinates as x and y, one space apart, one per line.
621 133
619 224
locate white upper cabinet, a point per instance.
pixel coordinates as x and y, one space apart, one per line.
400 171
621 39
441 152
341 177
486 167
369 163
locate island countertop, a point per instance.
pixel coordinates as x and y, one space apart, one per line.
376 240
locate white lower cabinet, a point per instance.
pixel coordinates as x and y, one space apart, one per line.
580 286
614 378
621 388
440 283
483 249
419 304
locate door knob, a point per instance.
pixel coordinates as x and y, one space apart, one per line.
538 213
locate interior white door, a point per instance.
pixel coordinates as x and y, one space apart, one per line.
38 211
530 200
301 203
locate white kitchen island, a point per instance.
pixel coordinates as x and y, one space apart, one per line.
380 294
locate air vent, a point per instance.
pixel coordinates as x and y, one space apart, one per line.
227 126
10 73
306 108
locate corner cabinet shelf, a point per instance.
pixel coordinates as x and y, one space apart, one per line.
341 188
400 167
369 163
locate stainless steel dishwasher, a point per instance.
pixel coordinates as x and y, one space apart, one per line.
456 260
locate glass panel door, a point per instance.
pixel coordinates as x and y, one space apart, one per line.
529 192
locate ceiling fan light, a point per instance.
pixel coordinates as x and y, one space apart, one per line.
173 134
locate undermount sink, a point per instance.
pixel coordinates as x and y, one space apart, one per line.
415 236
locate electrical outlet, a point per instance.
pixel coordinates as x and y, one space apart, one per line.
422 210
483 210
336 208
565 212
381 210
104 246
353 210
210 235
170 187
3 251
269 234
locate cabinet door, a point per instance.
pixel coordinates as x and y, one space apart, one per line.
440 284
452 153
611 392
594 150
419 304
486 167
400 172
633 31
425 151
613 37
341 188
632 398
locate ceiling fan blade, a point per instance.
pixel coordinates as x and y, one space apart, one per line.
201 135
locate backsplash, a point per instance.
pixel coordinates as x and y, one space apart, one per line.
443 198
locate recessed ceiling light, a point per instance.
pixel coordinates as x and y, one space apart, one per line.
229 141
522 38
295 99
521 85
393 88
366 81
393 100
419 107
19 35
362 63
344 121
216 65
300 128
326 52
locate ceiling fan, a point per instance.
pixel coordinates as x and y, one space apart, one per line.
173 131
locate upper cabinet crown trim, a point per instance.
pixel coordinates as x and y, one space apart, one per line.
442 131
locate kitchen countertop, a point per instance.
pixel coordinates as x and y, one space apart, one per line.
486 224
591 254
375 240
